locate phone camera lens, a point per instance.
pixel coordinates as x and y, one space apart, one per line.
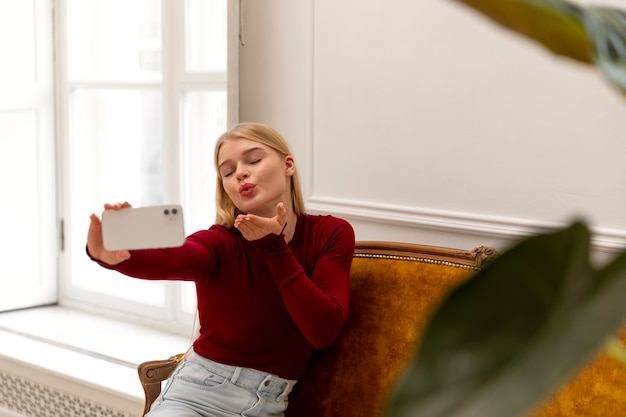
174 211
166 212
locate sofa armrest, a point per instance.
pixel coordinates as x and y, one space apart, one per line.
153 373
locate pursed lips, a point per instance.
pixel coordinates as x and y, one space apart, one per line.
246 189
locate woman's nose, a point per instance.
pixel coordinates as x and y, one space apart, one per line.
242 174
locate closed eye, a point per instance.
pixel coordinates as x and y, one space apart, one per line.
227 173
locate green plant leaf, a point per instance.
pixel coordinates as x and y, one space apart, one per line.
555 24
592 35
503 341
607 30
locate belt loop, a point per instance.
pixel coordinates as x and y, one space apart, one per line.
236 374
288 387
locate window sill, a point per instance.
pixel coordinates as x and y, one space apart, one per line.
83 354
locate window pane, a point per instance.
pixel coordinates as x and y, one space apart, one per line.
18 168
28 215
188 294
204 120
17 42
116 155
114 39
116 146
206 35
102 282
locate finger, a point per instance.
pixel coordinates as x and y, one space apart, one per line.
95 229
95 220
239 220
262 225
122 255
281 213
253 220
117 206
247 232
243 223
94 236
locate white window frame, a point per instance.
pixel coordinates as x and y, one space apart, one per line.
27 128
171 316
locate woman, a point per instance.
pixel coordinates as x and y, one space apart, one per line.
272 282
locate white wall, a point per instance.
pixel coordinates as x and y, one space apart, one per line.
424 122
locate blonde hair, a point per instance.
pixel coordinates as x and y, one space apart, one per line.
260 133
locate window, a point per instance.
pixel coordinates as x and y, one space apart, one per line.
143 91
28 212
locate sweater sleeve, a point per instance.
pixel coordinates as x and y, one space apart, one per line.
318 303
185 263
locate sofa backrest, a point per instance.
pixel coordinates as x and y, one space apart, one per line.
394 289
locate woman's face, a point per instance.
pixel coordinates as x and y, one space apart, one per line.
255 176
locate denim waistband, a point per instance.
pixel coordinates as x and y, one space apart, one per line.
245 377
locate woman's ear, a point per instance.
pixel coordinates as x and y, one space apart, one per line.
290 165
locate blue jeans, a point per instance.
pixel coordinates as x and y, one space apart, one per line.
200 387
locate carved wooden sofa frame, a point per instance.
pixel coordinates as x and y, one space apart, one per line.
394 289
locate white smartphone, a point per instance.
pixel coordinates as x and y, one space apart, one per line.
149 227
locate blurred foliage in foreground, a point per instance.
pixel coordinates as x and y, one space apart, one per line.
590 34
506 339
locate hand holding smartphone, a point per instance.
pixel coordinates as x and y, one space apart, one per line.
149 227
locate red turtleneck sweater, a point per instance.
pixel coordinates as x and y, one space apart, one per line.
262 304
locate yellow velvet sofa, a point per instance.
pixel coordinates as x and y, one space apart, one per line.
395 288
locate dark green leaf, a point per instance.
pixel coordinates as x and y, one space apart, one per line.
592 35
555 24
505 339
